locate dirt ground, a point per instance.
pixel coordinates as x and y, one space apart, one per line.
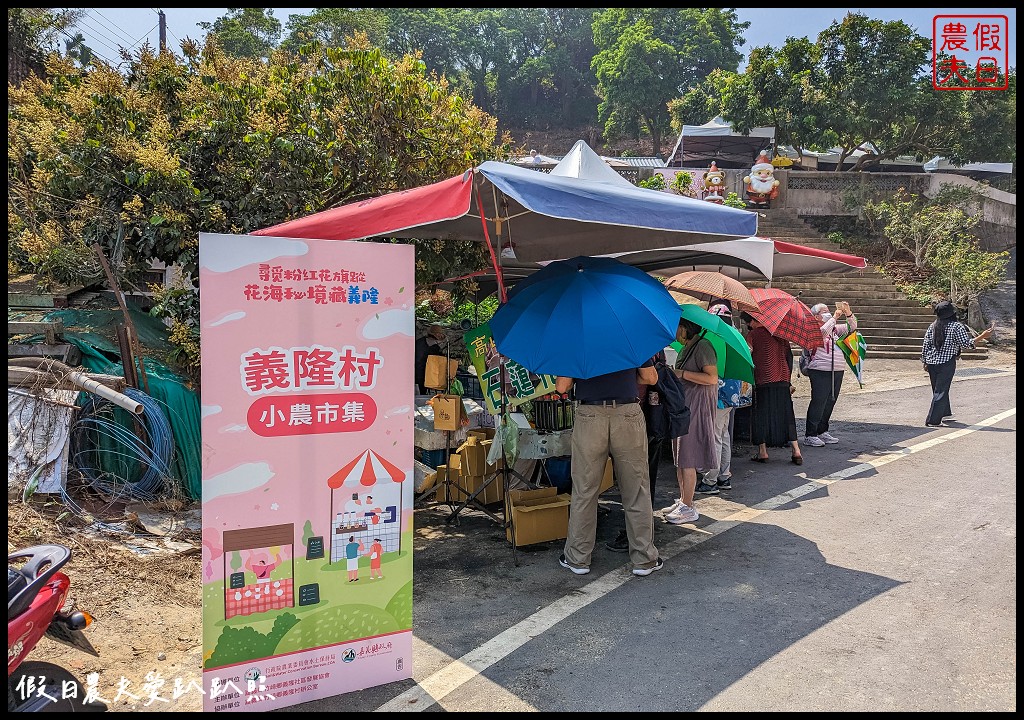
147 608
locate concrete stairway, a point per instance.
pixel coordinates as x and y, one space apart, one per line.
892 324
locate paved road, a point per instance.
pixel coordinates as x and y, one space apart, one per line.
880 575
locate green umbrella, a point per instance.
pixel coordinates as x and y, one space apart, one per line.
734 361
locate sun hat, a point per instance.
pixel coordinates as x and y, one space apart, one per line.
945 310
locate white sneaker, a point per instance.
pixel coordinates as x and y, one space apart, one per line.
814 441
673 507
829 438
684 514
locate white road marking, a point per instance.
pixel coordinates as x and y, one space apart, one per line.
435 687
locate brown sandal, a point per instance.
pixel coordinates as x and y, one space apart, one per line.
797 460
759 459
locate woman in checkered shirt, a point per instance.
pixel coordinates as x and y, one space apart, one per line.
943 341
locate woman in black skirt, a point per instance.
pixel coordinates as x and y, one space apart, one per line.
773 421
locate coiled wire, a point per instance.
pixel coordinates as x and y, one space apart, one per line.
114 457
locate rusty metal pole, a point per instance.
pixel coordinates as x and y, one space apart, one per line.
130 326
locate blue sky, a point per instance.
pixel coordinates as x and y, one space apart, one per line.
107 29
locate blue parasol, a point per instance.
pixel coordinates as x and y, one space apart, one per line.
584 317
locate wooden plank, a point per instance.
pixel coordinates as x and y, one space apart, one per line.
127 358
258 537
67 354
51 329
132 335
21 295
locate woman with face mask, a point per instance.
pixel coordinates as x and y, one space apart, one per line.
825 371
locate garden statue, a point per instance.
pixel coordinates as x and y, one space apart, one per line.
761 185
714 185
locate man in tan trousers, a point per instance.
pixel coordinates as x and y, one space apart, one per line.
610 423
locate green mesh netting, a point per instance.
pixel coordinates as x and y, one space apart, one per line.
93 332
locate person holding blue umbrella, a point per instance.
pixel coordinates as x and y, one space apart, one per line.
596 323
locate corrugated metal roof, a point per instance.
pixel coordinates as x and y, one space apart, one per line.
646 162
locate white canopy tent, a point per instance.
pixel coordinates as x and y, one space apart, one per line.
977 171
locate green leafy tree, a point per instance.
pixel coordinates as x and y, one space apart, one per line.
862 84
566 77
334 27
964 270
649 56
874 89
916 224
246 32
142 161
76 49
33 33
990 126
531 65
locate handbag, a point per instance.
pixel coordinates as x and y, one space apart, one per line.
805 361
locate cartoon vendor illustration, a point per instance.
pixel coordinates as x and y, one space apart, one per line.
375 553
260 567
352 552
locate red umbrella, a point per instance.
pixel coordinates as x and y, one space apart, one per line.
786 317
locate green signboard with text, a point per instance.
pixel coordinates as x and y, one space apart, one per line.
520 384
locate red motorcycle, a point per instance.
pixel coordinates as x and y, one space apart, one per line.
36 594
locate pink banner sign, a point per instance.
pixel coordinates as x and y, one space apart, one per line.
307 432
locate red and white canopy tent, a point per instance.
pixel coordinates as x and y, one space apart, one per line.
577 209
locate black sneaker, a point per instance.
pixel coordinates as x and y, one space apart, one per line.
704 489
725 483
620 543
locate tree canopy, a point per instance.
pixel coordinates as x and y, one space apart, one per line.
141 161
647 57
863 83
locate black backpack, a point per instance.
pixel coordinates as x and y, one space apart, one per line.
671 417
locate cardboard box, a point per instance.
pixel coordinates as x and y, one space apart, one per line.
484 433
609 477
473 455
537 515
495 492
448 410
441 493
450 493
470 483
491 467
439 372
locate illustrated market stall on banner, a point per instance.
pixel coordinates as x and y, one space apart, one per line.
307 429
